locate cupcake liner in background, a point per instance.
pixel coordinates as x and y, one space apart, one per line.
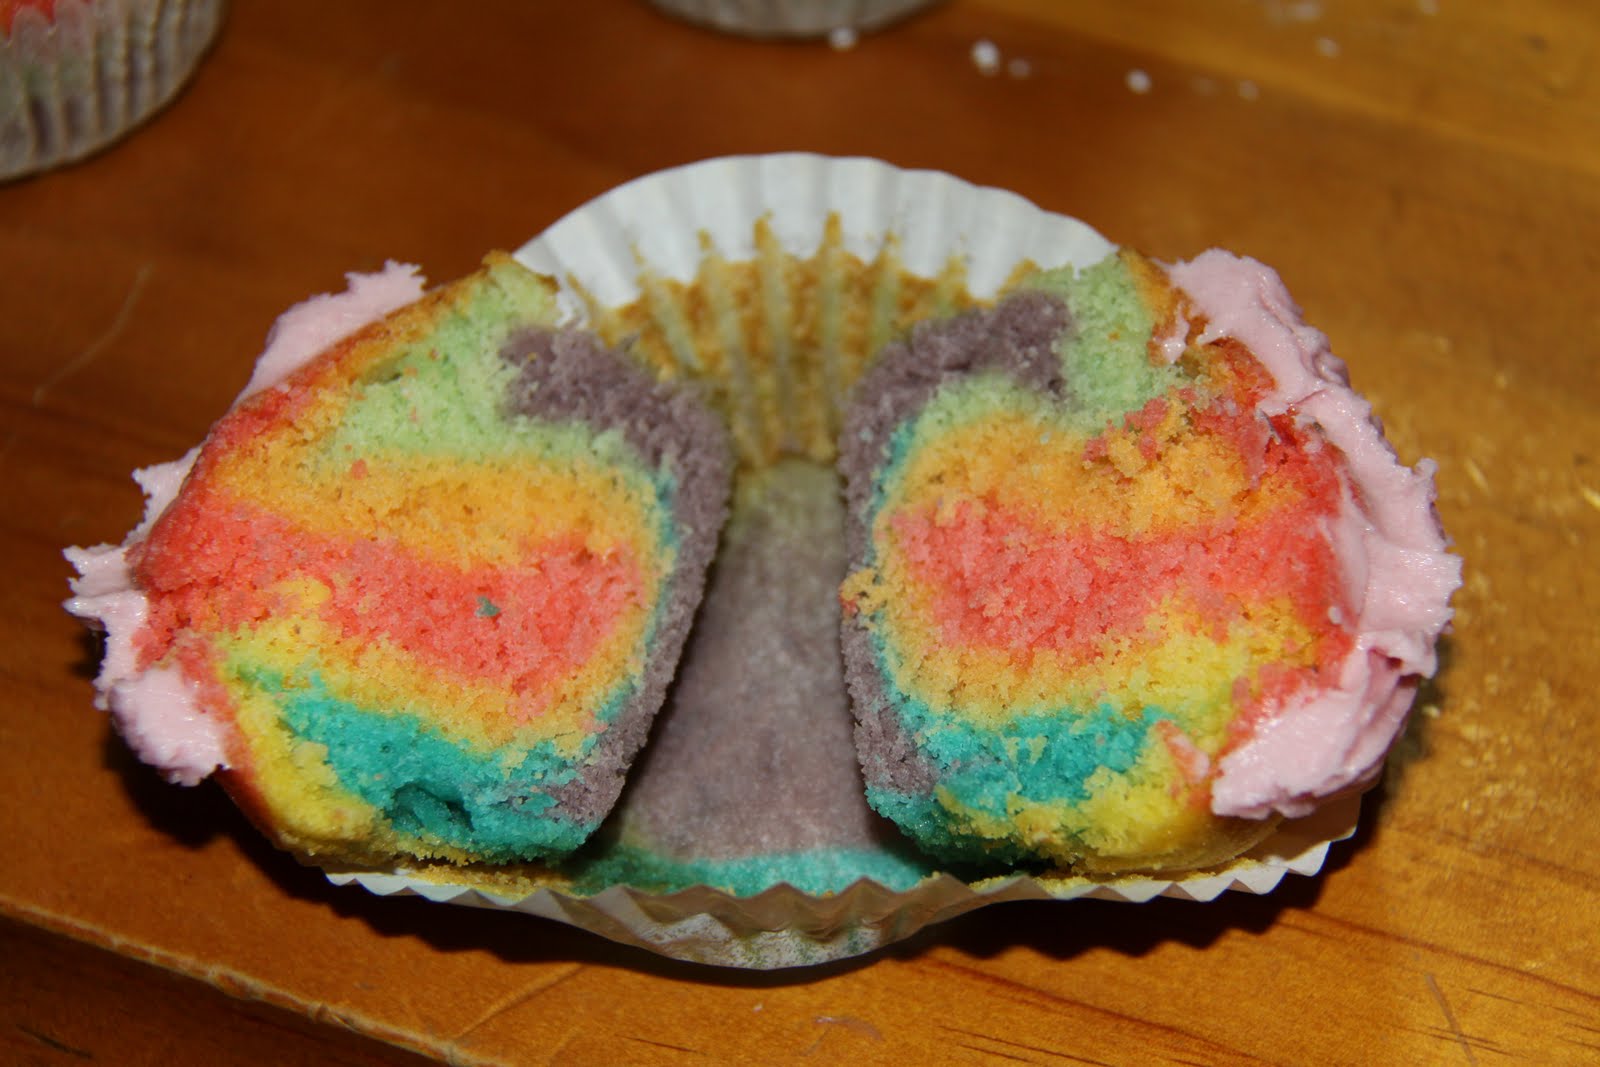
77 74
791 18
743 270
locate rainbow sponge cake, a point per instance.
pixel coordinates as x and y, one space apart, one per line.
1132 571
1129 574
421 590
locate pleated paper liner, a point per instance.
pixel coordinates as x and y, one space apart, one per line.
773 281
783 927
75 81
791 18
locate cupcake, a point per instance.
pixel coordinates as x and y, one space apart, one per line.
791 18
77 74
957 427
1133 571
421 590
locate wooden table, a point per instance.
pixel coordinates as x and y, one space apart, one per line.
1426 176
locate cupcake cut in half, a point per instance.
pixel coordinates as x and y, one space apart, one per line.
422 595
1132 571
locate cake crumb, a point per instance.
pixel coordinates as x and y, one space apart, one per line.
1280 12
1476 474
1249 91
1327 47
842 38
986 56
1138 82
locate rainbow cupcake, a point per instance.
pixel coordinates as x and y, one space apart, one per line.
1127 577
793 18
420 593
1113 541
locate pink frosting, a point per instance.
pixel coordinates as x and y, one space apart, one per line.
312 325
1397 572
156 710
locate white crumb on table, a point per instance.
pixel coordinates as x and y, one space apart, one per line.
1137 81
842 38
1327 47
1278 12
986 56
1475 472
1248 90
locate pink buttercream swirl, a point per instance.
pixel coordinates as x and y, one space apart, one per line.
156 710
1398 575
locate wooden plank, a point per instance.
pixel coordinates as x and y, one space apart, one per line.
1429 186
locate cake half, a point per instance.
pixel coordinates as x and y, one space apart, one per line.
420 593
1133 573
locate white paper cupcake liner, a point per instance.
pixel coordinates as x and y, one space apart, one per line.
657 223
783 927
73 83
664 226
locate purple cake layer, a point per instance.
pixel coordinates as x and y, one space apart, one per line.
752 757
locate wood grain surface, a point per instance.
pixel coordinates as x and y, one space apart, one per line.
1426 177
